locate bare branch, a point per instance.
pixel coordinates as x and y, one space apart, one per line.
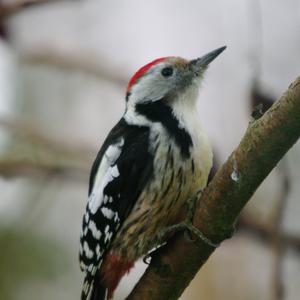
24 129
264 144
50 156
87 64
27 167
9 8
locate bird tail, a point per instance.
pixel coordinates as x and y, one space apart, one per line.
93 290
99 291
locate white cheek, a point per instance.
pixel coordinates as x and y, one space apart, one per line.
150 88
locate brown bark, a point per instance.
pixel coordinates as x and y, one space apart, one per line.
263 145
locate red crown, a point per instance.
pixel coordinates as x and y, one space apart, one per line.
142 71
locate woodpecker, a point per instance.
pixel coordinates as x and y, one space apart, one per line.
154 159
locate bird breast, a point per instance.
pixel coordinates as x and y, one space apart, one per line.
175 179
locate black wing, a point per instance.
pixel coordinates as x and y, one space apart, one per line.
121 169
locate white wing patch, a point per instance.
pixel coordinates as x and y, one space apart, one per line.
95 232
108 234
106 173
107 213
88 252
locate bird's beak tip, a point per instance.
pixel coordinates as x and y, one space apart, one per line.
206 59
215 52
223 48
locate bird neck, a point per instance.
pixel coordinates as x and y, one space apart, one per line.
176 117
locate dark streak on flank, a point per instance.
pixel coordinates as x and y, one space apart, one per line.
156 147
135 220
193 166
143 217
169 186
168 158
178 195
155 197
171 161
179 174
140 230
169 149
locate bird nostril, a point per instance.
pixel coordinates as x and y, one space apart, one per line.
194 66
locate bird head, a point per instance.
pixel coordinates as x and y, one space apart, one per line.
168 78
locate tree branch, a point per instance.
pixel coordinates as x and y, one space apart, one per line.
46 156
12 7
74 62
12 167
264 144
28 131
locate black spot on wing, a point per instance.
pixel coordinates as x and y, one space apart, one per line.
159 111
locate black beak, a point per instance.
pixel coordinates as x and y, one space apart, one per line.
205 60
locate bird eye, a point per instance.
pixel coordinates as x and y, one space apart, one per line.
167 72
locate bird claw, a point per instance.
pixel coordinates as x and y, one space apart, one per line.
150 254
199 235
192 205
147 258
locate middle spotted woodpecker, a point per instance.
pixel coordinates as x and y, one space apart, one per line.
154 159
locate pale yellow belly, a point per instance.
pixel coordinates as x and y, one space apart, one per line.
160 204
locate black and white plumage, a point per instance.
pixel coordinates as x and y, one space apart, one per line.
118 176
154 159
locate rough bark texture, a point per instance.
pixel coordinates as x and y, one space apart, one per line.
264 144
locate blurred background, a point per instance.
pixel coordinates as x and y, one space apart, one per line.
64 66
